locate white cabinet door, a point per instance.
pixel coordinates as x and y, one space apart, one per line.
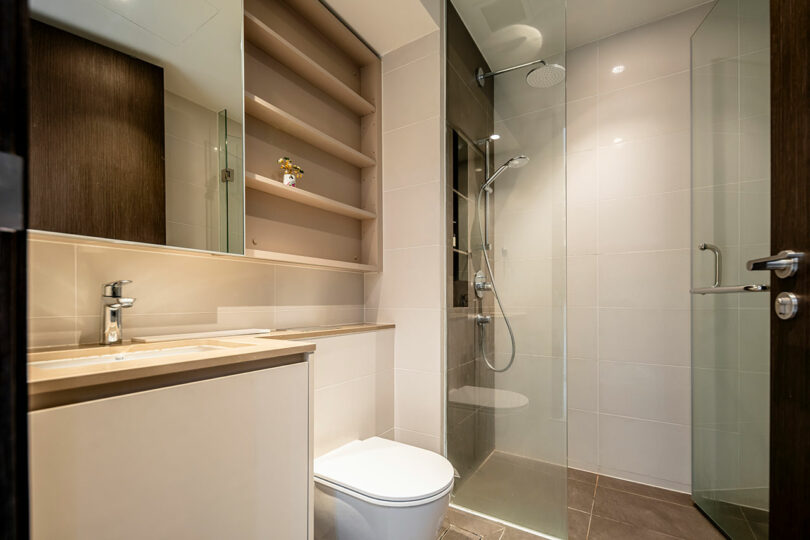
216 459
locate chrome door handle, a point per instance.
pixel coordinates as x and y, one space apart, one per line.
784 264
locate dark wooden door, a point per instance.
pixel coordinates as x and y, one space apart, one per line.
13 159
790 229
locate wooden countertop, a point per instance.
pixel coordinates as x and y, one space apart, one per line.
228 351
51 384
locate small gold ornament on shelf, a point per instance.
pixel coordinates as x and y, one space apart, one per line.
291 172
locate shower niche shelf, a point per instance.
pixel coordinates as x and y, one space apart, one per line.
313 94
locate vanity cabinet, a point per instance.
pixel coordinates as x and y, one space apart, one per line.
218 458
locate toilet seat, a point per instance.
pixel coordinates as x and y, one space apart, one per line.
386 473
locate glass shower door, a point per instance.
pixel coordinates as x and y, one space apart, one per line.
731 225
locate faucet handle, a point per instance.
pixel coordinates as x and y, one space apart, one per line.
114 289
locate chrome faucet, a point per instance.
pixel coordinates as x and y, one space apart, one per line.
112 305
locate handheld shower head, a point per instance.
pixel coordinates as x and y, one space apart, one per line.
517 162
514 163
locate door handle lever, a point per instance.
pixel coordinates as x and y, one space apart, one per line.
784 264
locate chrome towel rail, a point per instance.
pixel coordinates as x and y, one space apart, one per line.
730 289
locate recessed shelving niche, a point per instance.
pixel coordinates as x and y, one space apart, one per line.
313 94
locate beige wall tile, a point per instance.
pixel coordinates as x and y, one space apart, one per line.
653 108
414 50
168 283
651 392
412 216
656 450
411 92
411 155
659 336
51 280
418 404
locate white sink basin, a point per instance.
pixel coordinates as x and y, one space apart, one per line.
124 356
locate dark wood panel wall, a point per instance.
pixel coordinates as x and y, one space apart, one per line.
790 229
97 140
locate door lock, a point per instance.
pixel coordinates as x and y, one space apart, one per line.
786 305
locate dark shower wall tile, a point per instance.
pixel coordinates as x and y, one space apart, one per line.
484 435
461 439
469 107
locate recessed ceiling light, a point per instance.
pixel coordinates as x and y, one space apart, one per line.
617 69
494 137
617 140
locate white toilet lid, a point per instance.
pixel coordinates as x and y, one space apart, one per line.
386 470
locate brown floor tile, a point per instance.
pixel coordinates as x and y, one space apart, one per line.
578 523
645 490
754 515
454 533
516 534
760 530
580 495
653 514
469 522
607 529
581 476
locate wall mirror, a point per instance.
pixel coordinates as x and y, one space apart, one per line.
137 121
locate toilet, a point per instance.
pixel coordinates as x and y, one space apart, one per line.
378 489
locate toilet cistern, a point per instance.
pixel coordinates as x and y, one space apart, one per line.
112 306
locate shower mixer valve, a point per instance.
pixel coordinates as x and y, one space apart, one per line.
480 284
481 320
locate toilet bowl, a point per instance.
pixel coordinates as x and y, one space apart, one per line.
378 489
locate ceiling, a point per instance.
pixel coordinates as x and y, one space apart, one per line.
509 32
590 20
388 24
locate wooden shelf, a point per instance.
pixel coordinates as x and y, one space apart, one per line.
333 28
286 122
309 261
273 187
288 54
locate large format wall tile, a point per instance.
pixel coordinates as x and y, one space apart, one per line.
629 179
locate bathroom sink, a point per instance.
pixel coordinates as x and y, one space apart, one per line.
124 356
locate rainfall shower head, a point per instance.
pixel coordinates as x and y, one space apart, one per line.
546 76
514 163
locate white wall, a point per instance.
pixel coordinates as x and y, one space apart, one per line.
354 388
628 253
410 290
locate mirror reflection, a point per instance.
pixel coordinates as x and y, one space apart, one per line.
136 121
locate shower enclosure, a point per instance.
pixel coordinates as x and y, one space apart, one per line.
731 306
506 408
